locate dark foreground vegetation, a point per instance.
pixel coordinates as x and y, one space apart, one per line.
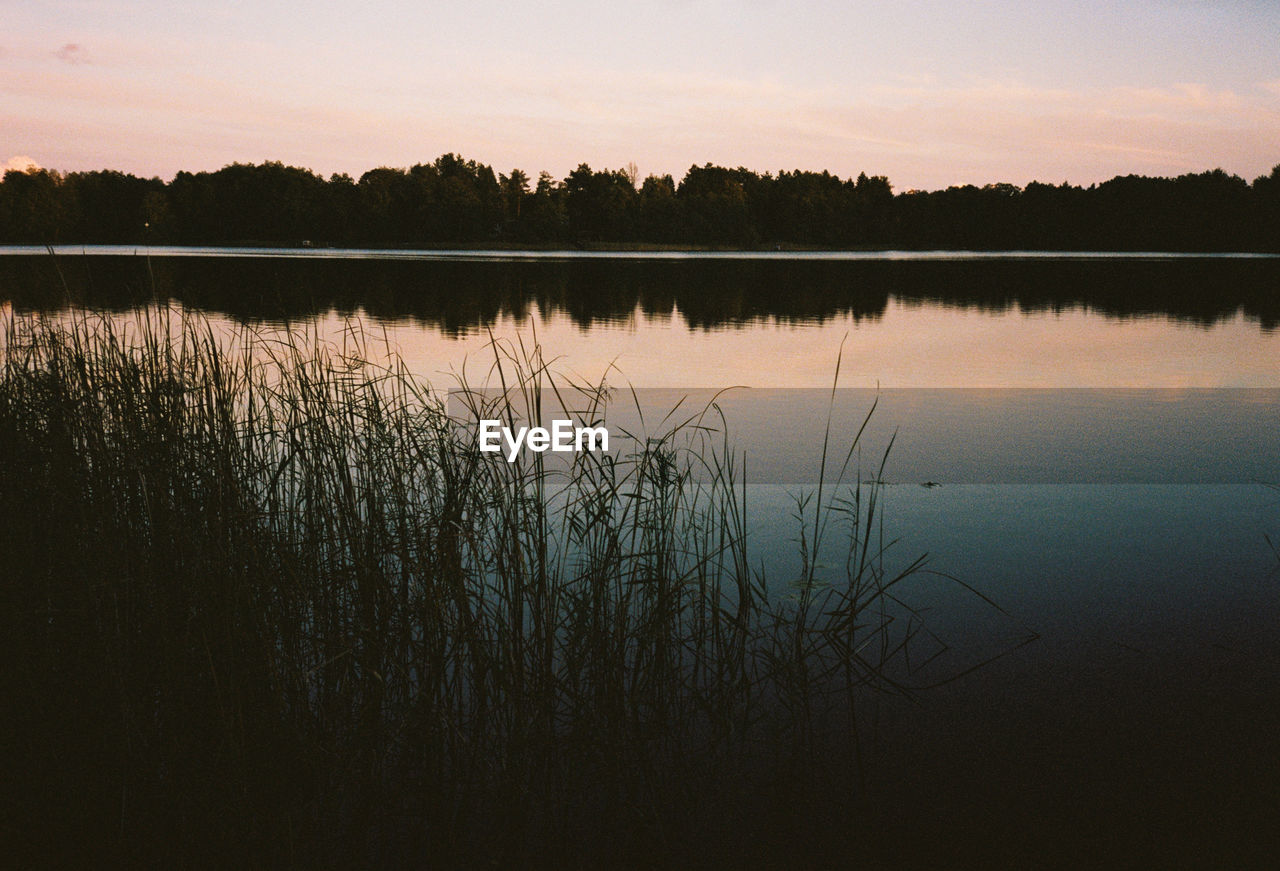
265 605
453 201
262 605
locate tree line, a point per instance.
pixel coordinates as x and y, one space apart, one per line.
454 201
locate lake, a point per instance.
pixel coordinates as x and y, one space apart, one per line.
1085 440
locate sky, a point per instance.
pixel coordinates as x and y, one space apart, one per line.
927 93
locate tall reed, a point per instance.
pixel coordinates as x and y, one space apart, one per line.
264 603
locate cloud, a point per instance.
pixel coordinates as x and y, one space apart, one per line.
144 112
921 133
72 53
19 162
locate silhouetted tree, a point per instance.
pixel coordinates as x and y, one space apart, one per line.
658 211
714 208
515 187
545 217
599 205
453 200
1266 211
113 207
34 208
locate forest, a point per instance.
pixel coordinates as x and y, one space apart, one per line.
453 202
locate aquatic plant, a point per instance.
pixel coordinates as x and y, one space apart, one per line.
266 604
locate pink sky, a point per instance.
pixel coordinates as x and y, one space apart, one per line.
927 93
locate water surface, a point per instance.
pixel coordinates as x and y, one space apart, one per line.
1085 439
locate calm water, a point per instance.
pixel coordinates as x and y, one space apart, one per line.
1096 435
1005 370
675 320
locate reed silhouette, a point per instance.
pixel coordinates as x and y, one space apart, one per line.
264 604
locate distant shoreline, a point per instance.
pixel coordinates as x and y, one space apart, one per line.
453 204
